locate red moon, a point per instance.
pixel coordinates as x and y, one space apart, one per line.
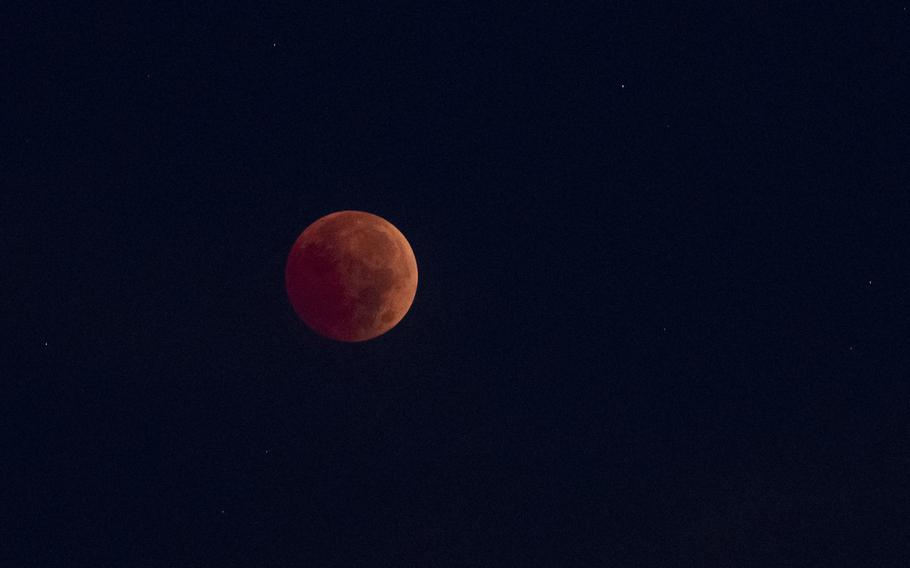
351 276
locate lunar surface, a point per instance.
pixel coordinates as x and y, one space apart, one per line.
351 276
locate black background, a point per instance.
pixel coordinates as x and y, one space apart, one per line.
662 311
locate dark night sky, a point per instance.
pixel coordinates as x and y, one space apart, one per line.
662 312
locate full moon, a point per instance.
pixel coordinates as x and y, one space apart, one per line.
351 276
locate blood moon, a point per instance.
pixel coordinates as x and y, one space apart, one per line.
351 276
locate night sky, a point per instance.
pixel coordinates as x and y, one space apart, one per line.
662 317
